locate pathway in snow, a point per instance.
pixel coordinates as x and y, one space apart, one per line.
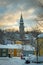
14 61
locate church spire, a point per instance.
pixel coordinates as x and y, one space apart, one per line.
21 27
21 18
21 14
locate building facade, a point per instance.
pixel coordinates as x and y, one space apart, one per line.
3 52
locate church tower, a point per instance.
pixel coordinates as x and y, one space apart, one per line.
21 28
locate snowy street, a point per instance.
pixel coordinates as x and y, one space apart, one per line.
14 61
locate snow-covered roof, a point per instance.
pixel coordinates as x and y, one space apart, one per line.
28 48
10 46
40 35
8 42
28 36
18 46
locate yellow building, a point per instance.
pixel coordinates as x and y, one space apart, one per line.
17 52
18 42
11 52
39 41
40 44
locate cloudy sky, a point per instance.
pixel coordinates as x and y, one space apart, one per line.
10 12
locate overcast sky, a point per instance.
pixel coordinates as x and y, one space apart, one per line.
10 12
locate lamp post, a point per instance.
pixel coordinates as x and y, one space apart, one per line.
37 50
36 40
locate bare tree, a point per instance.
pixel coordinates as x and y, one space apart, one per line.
39 21
40 3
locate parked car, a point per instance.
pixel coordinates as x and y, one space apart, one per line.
28 58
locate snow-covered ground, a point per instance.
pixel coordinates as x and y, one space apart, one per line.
14 61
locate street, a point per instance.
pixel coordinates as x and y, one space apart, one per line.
14 61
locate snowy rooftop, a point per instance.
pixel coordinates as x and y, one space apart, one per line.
18 46
28 36
29 48
10 46
40 35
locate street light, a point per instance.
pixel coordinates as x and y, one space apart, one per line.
37 49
